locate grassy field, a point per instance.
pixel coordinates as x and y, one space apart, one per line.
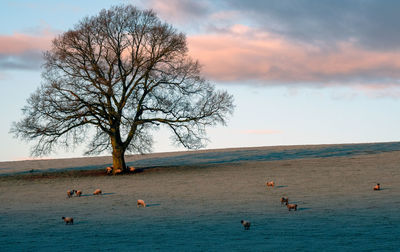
198 206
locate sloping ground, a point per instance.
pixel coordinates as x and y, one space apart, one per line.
268 154
217 156
199 207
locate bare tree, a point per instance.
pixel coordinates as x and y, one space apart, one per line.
122 72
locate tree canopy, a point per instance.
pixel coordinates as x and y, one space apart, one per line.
117 76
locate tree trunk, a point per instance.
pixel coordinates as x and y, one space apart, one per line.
118 155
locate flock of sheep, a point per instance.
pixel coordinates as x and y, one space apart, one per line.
109 170
78 193
247 224
285 200
140 203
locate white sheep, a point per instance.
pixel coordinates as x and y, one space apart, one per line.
68 220
246 224
377 187
109 170
97 192
79 193
284 200
270 183
70 193
141 203
291 206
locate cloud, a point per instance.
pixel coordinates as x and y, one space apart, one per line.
243 54
272 42
304 42
29 60
179 11
19 43
372 24
23 51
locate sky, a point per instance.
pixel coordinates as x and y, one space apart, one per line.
301 72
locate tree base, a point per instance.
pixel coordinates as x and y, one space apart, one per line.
128 170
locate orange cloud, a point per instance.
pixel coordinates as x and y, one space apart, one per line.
243 54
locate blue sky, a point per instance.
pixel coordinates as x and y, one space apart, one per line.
301 72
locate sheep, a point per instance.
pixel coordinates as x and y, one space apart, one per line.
68 220
70 193
284 200
131 169
78 193
270 183
97 192
291 206
109 170
377 187
246 224
141 203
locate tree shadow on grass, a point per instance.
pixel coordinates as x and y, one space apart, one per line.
282 186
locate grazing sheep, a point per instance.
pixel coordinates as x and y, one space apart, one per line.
109 170
284 200
270 183
377 187
70 193
118 171
141 203
131 169
78 193
68 220
97 192
291 206
246 224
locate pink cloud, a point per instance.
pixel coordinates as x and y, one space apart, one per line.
244 54
240 53
19 43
